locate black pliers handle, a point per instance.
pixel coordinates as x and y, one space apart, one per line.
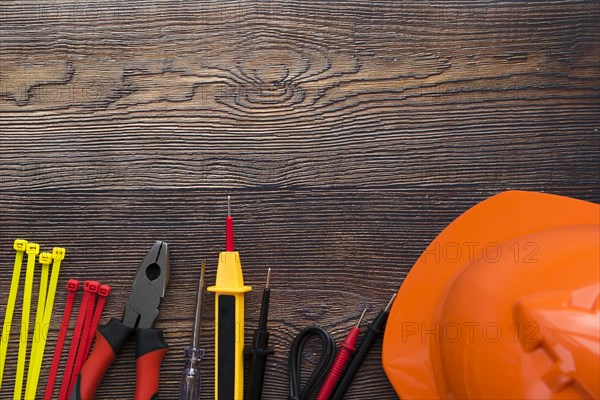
140 313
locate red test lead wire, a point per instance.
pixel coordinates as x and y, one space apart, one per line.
340 361
72 287
229 227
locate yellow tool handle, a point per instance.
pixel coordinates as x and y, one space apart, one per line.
33 250
20 246
229 327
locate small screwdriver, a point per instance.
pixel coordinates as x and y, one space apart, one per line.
372 334
260 350
189 388
341 358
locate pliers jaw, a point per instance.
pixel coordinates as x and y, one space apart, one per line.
148 288
140 313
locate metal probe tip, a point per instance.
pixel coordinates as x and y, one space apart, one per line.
361 317
268 278
389 304
229 205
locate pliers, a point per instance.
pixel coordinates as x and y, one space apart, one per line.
140 312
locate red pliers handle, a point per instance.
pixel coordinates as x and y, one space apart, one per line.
110 339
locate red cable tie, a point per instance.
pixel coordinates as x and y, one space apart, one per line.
93 287
89 296
72 287
85 347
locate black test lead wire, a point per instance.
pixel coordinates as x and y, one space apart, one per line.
320 371
260 350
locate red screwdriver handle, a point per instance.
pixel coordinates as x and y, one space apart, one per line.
341 358
149 353
110 340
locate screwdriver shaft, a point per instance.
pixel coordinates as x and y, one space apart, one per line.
189 388
199 303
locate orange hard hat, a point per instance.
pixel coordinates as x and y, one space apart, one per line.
503 304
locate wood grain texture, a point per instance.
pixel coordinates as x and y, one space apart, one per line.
348 134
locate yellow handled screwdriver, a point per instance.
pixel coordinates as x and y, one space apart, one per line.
229 320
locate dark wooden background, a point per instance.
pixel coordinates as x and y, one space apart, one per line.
347 133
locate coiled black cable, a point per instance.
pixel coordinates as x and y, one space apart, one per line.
325 361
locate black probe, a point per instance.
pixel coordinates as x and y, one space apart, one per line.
260 350
377 327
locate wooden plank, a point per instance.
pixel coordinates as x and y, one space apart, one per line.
348 133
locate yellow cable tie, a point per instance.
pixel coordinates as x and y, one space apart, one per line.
33 250
45 260
20 246
58 254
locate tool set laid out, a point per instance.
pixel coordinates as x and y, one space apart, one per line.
558 359
83 374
